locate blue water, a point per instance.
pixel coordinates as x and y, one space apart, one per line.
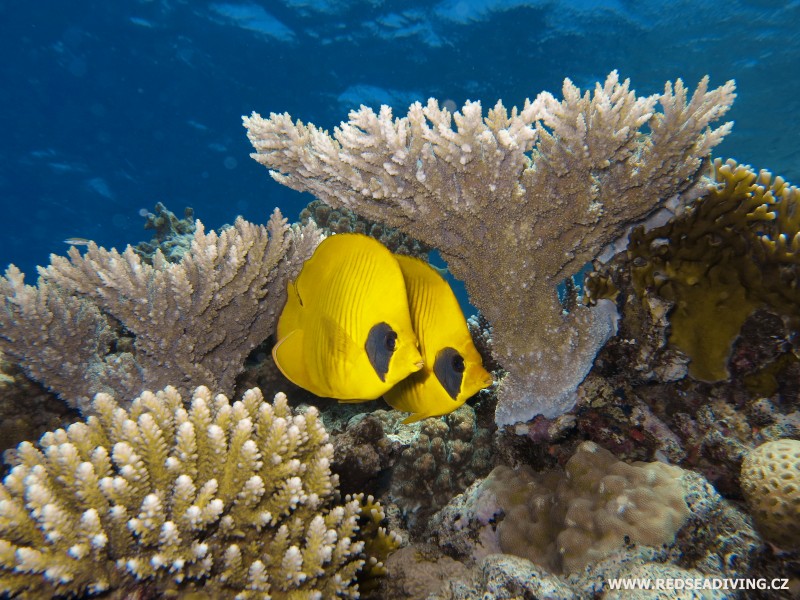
110 107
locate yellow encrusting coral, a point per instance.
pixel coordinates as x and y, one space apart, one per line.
220 500
735 249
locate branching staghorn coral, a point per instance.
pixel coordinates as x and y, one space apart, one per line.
195 320
515 202
218 501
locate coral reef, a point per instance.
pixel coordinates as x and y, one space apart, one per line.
26 409
418 571
715 540
109 322
442 460
344 220
502 576
363 453
173 236
566 520
219 500
505 577
735 249
771 484
515 202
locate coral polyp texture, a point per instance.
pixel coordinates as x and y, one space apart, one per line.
223 500
515 202
771 484
105 321
565 520
441 461
734 250
173 236
344 220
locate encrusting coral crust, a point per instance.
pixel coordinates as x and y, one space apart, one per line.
515 202
110 322
221 500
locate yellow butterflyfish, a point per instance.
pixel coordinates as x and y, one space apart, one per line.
346 330
453 370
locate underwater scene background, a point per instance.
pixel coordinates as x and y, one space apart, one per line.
566 437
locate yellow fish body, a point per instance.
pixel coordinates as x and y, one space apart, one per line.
346 331
453 370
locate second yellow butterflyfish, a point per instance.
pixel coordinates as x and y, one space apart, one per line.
346 330
453 370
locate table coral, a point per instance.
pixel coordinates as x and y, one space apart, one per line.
220 500
516 202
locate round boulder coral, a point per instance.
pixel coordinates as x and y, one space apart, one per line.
771 485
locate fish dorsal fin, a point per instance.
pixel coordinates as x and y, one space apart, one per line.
288 354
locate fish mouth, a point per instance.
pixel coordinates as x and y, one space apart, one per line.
419 364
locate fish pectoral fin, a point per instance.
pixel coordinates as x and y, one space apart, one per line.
341 346
289 358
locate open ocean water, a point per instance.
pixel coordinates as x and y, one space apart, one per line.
109 107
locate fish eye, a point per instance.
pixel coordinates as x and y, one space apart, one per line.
449 370
390 341
380 346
